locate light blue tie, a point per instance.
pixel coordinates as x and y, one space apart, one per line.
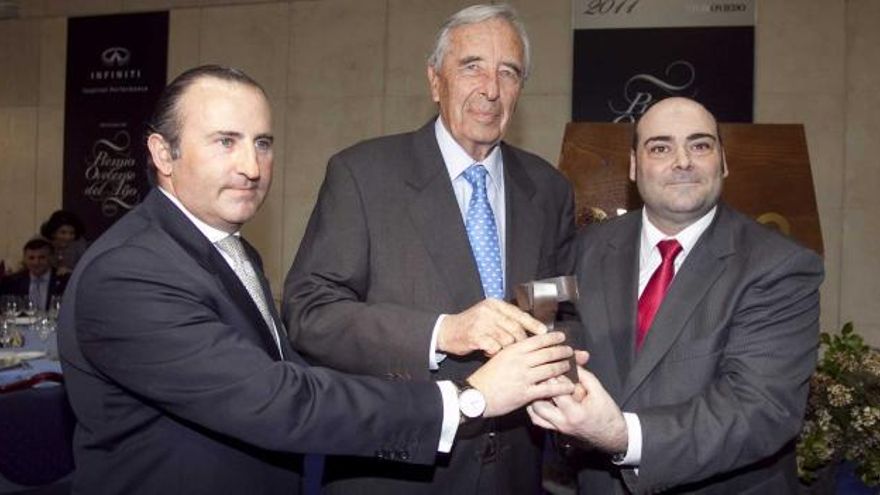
480 224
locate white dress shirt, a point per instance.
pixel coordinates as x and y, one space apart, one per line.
649 260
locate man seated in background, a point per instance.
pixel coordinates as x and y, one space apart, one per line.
37 281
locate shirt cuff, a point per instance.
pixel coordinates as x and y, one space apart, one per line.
633 456
434 357
451 416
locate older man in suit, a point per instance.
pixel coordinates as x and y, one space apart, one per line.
415 241
177 366
702 326
38 281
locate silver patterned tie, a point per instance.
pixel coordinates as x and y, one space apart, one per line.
232 246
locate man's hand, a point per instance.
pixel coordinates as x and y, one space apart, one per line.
521 374
594 419
487 326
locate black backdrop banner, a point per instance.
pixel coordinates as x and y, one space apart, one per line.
630 53
116 68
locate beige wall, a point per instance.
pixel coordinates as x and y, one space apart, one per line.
343 70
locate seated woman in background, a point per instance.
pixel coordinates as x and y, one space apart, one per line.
65 231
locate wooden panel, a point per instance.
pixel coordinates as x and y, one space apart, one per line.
770 177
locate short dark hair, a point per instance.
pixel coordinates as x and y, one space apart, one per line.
59 219
166 120
38 243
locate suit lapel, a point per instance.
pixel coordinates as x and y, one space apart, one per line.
206 255
696 276
523 223
435 215
619 268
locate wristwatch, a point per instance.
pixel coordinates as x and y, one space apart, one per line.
471 402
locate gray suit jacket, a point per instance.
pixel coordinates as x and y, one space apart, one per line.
177 384
385 253
721 381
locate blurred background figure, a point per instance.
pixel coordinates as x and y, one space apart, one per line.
65 231
38 281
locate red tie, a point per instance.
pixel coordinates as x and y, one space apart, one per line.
654 292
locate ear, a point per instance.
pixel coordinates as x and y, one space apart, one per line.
632 166
434 83
160 151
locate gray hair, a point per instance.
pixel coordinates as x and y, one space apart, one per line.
476 14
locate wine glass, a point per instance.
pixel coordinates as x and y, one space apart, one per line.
5 333
44 326
54 307
10 307
29 307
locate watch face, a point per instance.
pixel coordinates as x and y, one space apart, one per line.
472 403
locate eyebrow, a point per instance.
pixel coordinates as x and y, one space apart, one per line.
232 134
692 137
476 58
468 59
239 135
513 66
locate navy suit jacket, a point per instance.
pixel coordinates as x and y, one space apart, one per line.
177 384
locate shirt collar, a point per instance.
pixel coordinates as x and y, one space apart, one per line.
457 159
688 237
213 234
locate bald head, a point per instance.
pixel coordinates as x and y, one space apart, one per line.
677 163
678 102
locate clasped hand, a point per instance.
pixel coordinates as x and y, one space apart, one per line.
589 414
521 373
487 326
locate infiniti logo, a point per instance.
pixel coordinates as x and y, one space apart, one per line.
115 55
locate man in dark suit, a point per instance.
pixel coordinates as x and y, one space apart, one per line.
38 281
702 326
177 366
393 276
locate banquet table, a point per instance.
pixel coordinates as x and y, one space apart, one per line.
32 343
38 424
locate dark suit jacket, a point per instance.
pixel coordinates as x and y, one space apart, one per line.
177 384
19 284
721 381
384 254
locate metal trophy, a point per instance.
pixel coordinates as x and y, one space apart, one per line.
541 298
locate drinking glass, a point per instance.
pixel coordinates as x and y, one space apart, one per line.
29 307
5 332
54 307
10 307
